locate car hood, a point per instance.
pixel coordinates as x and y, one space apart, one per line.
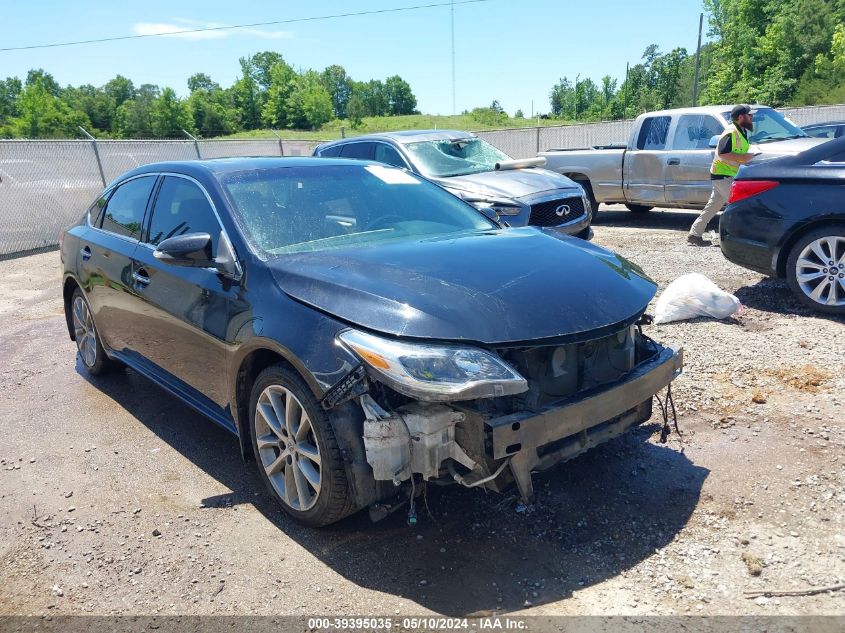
785 148
507 183
491 287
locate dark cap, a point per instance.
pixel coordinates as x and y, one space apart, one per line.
738 110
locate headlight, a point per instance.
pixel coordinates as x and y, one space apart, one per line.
500 207
436 373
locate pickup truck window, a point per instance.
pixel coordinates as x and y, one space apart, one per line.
694 131
770 125
653 132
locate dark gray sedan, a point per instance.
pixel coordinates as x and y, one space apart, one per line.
519 192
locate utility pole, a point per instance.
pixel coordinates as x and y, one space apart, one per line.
452 9
577 77
625 93
697 54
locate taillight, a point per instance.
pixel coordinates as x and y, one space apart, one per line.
742 189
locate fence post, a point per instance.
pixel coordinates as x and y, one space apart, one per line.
196 143
538 134
281 147
96 154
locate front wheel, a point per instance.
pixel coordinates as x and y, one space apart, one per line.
591 198
296 450
638 208
815 270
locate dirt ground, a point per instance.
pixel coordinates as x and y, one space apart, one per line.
117 499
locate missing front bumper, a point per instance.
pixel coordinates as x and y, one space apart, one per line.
537 441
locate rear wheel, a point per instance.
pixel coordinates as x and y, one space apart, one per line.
638 208
815 270
88 343
296 450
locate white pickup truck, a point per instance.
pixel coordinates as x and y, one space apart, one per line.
666 162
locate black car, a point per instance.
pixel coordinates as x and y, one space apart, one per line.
361 330
786 218
831 129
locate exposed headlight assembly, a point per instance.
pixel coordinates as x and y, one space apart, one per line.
501 207
435 373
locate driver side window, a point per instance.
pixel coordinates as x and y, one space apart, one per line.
181 207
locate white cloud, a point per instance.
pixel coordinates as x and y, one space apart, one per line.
173 29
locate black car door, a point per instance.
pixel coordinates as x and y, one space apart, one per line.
183 314
105 257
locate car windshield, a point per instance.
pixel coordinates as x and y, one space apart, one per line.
770 125
313 208
457 157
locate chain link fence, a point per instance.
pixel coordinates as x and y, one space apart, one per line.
46 185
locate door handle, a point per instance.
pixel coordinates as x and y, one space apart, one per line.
86 253
140 276
673 161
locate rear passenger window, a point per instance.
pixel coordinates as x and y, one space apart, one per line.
388 155
181 208
124 214
361 151
95 211
653 133
331 152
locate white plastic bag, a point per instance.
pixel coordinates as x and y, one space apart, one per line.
694 295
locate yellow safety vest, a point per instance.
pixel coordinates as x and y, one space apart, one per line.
739 145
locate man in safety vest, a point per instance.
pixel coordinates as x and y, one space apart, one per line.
731 152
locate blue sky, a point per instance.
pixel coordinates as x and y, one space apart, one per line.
509 50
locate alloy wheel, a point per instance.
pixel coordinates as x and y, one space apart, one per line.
84 333
820 270
287 447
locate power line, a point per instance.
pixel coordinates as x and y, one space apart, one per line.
243 26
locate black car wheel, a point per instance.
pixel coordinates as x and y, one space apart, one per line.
91 351
815 269
296 450
638 208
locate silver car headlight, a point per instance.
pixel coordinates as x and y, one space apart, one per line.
499 206
435 373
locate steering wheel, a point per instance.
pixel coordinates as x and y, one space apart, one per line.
380 221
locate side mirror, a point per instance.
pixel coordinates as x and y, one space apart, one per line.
192 250
714 141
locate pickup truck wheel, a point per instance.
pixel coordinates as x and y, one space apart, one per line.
815 270
591 198
638 208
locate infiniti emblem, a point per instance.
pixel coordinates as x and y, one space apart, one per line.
562 210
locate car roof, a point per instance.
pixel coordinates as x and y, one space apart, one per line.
403 137
217 167
825 124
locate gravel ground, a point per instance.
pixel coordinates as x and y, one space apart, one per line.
117 499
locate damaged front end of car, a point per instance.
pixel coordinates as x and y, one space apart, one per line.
489 417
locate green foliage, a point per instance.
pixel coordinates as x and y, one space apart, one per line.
339 85
400 98
41 114
309 104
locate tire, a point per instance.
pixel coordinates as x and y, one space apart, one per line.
591 198
818 284
305 475
638 208
88 344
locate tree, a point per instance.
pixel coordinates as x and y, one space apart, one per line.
518 114
274 113
373 96
201 81
355 110
133 118
562 98
10 89
170 115
42 114
309 104
400 99
94 102
339 85
43 79
246 98
120 89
